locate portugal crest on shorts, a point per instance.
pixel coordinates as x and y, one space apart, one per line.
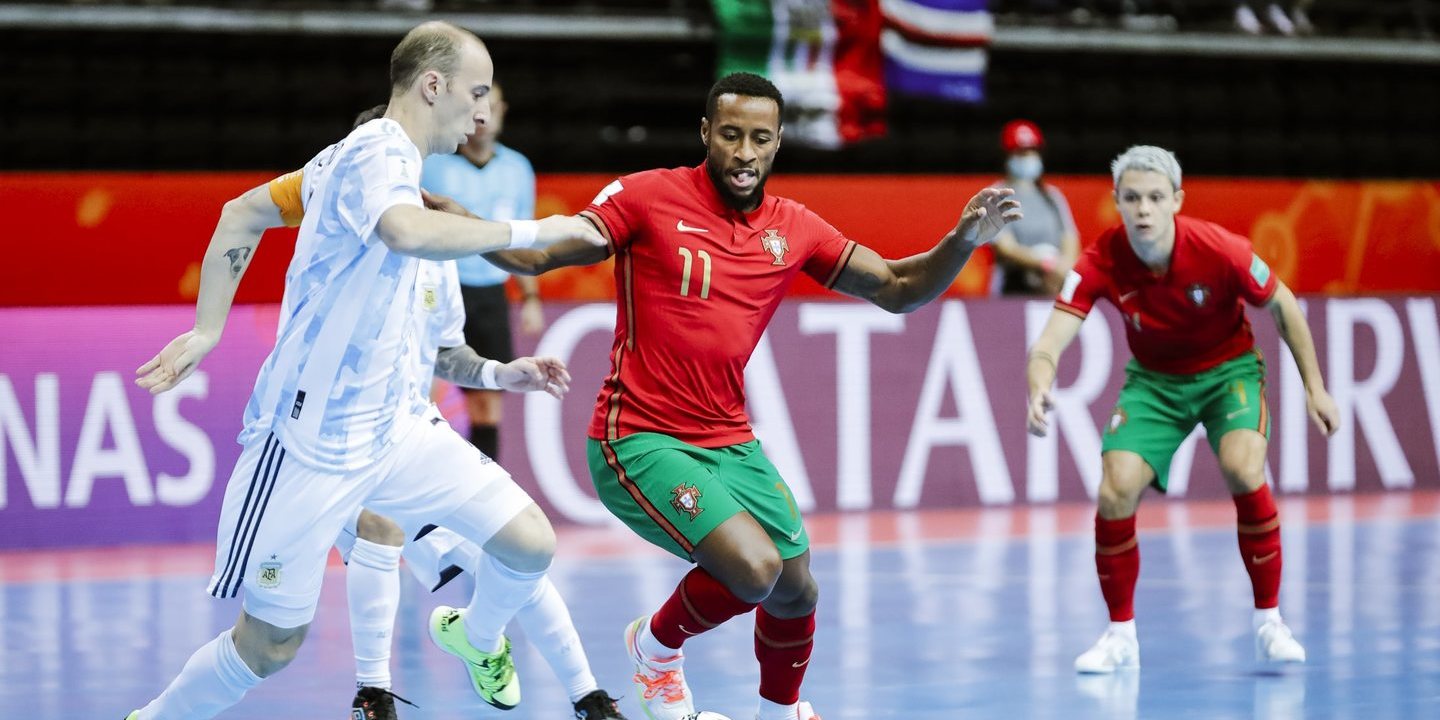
686 499
1198 294
776 245
1118 418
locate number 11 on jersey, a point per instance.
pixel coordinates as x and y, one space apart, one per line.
689 265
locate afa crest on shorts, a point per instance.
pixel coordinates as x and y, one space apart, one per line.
776 245
686 499
269 575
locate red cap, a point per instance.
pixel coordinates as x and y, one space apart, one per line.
1021 135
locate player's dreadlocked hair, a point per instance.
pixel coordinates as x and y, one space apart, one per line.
744 84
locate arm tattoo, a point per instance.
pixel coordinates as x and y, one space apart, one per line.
237 257
460 365
858 283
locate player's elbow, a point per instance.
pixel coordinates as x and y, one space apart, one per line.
238 214
403 230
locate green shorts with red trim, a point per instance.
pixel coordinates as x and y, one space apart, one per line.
1157 411
673 493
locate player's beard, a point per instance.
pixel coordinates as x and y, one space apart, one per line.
743 204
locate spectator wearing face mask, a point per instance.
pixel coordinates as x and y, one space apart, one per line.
1032 254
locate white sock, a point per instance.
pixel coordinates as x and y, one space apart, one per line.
775 711
372 585
547 623
1126 628
499 592
1265 615
651 647
214 678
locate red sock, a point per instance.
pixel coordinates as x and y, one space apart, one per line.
1259 532
1117 559
698 604
783 648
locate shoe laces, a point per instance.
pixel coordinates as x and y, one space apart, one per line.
669 683
1114 644
1276 632
370 697
495 670
597 705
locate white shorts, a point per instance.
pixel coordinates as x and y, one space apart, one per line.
280 518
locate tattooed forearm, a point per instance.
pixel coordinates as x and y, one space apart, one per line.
460 365
237 257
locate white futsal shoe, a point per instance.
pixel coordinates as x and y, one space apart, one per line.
1115 649
1274 643
664 694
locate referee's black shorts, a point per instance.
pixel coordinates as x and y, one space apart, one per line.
487 321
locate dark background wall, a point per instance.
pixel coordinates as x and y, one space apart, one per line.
73 99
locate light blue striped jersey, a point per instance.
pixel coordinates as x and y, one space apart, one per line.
338 386
502 190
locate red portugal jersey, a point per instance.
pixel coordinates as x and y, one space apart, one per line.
1187 320
696 284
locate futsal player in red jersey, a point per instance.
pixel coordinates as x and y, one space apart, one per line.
703 256
1180 284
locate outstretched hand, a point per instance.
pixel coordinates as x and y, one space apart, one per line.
990 210
1040 406
528 374
1323 412
175 362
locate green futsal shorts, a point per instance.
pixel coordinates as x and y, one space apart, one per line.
673 493
1157 411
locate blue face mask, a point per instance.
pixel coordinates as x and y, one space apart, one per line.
1024 167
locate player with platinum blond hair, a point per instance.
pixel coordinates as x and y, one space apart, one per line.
1181 285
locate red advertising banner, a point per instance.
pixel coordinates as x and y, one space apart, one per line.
858 408
125 239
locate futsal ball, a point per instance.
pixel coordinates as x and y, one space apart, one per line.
705 715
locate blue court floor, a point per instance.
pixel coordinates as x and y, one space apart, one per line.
959 614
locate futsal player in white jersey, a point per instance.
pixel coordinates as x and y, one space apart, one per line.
330 426
372 545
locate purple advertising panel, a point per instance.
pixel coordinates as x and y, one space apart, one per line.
858 408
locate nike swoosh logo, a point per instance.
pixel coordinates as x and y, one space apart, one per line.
796 535
802 663
1234 413
682 227
1128 295
1261 560
686 631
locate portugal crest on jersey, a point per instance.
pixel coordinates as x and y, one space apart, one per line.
1198 294
686 499
776 245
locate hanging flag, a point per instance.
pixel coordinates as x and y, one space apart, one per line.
937 48
823 55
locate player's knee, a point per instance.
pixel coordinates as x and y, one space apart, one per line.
267 649
1241 479
757 574
379 529
526 544
800 598
1118 496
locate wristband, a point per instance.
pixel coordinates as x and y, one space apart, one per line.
487 375
522 233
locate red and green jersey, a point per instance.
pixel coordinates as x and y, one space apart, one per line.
1188 319
696 283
